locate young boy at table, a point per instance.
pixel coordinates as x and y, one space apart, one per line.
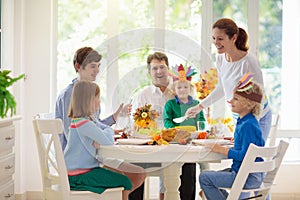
86 63
246 102
175 108
86 135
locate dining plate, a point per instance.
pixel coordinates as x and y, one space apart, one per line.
133 141
210 141
140 136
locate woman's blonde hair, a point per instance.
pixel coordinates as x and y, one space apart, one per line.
83 99
256 107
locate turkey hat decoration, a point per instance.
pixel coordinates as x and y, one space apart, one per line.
180 73
244 86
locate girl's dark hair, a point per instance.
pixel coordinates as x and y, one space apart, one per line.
230 28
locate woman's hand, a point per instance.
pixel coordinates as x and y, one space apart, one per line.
193 111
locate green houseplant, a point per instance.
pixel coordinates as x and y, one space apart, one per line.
7 100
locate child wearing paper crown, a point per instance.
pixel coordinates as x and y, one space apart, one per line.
246 101
183 100
175 108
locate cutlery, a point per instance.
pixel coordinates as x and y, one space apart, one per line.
180 119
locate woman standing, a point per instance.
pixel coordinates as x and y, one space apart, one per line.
232 63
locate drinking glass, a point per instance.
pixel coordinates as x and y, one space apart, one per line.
122 121
202 126
219 130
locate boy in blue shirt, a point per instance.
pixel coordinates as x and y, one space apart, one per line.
246 102
86 63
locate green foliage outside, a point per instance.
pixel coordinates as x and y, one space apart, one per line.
270 49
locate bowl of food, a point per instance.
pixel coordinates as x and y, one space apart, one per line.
145 133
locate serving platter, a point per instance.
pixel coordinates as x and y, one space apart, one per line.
134 141
211 141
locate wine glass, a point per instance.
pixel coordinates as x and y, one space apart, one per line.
123 124
123 121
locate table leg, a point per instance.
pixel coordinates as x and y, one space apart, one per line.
172 181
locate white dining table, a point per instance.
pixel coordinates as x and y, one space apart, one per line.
171 156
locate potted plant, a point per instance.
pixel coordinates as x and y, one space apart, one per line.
7 100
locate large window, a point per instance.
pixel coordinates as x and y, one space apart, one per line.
270 49
269 39
80 23
131 25
125 32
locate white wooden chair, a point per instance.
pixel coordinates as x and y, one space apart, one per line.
273 130
272 160
53 167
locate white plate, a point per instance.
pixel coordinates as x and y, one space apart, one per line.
117 136
209 141
140 136
133 141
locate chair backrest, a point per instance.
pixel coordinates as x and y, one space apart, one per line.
53 167
273 130
272 156
52 163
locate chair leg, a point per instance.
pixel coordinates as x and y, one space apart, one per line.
202 195
260 195
146 188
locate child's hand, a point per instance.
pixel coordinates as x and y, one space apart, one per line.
217 148
210 146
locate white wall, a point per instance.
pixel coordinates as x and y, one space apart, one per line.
290 63
31 55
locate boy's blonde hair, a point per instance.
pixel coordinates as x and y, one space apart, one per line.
192 87
250 98
83 99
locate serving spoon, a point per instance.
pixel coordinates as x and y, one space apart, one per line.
180 119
